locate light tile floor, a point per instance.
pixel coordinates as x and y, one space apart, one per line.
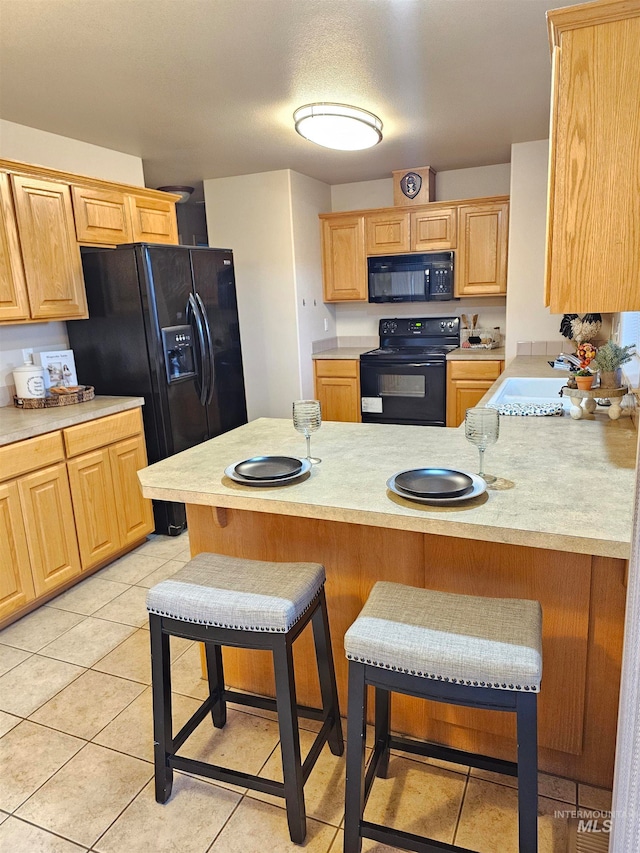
76 748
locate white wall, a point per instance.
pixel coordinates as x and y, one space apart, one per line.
309 198
473 183
251 214
41 148
527 318
56 152
362 195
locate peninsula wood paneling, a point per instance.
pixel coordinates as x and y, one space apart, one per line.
582 599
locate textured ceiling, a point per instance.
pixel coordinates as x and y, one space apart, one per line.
206 88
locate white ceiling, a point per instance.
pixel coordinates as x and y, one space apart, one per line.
206 88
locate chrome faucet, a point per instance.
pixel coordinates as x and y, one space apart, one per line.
568 359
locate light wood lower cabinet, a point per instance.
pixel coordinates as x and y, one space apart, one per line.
467 383
111 513
50 527
63 514
337 384
95 507
135 516
16 582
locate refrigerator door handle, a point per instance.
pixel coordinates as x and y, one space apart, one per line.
202 364
209 352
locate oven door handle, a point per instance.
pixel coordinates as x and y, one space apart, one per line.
402 364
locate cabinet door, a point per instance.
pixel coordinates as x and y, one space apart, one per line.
434 230
102 216
337 386
94 506
387 233
48 516
153 220
593 238
16 584
481 262
343 259
51 256
14 303
135 514
463 394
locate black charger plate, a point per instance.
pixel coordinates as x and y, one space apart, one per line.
268 467
434 482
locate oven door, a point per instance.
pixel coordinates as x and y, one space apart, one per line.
403 393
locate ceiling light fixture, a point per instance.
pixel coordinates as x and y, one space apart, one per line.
338 126
183 192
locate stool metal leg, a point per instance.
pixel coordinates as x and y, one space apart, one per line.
289 740
526 713
326 673
161 692
382 716
215 673
356 742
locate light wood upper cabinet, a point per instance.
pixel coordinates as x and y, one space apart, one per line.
387 232
101 216
153 220
337 387
434 230
593 232
481 258
14 302
50 526
343 258
16 583
50 253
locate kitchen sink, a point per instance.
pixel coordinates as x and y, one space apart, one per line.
524 389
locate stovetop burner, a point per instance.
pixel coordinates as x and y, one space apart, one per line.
416 339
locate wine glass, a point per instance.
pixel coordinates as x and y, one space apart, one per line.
482 427
307 419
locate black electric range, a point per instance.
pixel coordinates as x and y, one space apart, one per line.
403 381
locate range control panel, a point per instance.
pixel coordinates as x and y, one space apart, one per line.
432 327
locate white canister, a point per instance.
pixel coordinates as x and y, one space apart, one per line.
29 380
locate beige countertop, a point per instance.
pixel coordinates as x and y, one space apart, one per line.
455 355
18 424
342 352
564 484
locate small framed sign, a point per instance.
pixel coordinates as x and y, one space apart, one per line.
59 368
414 186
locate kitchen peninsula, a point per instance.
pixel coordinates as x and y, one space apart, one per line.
557 528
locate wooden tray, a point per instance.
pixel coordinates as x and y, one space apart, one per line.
87 393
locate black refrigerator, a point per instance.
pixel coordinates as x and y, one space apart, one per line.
163 325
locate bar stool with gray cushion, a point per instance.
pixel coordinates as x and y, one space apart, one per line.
459 649
226 601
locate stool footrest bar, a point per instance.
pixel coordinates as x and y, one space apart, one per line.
406 840
222 774
456 756
192 724
268 704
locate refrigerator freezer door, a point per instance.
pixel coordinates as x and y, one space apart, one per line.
214 282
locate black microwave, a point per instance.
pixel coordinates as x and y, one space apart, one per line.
411 278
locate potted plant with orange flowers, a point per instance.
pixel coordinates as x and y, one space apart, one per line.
584 377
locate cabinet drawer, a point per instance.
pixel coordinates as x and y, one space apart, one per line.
103 431
337 367
474 369
24 456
